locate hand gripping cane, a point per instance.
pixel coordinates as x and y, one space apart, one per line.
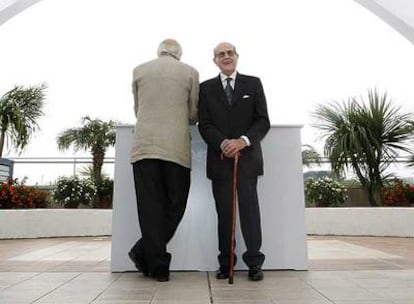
233 219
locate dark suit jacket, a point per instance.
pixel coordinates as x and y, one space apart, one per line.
247 115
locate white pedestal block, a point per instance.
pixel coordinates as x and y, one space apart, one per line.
194 246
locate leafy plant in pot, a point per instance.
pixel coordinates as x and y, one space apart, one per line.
104 192
71 191
325 192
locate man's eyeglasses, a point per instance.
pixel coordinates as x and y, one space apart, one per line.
229 53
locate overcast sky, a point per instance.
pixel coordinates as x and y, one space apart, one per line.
305 52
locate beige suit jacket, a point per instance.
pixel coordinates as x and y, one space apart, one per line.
165 102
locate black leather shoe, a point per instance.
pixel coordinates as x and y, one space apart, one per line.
161 277
139 263
222 273
255 273
161 273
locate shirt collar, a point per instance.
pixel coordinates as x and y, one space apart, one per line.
224 77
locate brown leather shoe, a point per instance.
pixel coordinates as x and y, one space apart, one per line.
255 273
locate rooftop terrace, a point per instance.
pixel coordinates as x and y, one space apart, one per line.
342 270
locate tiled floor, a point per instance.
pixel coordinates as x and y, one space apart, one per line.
343 270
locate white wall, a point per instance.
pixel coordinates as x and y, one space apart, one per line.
391 221
37 223
194 246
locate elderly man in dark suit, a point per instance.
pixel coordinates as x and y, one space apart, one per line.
233 119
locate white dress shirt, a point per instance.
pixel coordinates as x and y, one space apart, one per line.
223 78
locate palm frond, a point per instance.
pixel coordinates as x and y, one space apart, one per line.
20 109
365 135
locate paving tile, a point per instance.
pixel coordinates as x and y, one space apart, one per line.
350 294
166 292
81 289
304 294
342 270
35 288
364 302
8 279
394 293
236 301
241 294
335 249
304 301
126 294
331 282
118 302
181 302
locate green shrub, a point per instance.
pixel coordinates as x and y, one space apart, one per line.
324 192
105 188
71 191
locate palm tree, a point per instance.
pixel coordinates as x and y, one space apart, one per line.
96 136
364 136
20 108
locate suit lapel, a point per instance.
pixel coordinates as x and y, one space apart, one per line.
237 89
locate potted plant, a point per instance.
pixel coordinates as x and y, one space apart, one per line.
16 195
71 191
325 192
396 193
104 192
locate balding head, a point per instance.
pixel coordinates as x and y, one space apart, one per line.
170 47
224 45
225 57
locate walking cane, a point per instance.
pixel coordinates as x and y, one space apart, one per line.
233 219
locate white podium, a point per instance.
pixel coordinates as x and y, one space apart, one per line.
194 246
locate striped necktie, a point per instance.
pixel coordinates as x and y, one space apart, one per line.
228 90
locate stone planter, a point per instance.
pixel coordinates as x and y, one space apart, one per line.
36 223
388 221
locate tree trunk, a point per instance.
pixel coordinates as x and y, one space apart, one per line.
371 199
371 191
98 159
2 137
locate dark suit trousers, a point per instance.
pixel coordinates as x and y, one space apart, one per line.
162 190
249 215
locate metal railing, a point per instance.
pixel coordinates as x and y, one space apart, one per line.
400 167
45 170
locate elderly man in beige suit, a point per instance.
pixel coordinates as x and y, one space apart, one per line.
165 102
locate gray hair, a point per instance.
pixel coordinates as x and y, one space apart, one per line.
220 44
170 47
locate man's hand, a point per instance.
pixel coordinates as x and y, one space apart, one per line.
230 147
